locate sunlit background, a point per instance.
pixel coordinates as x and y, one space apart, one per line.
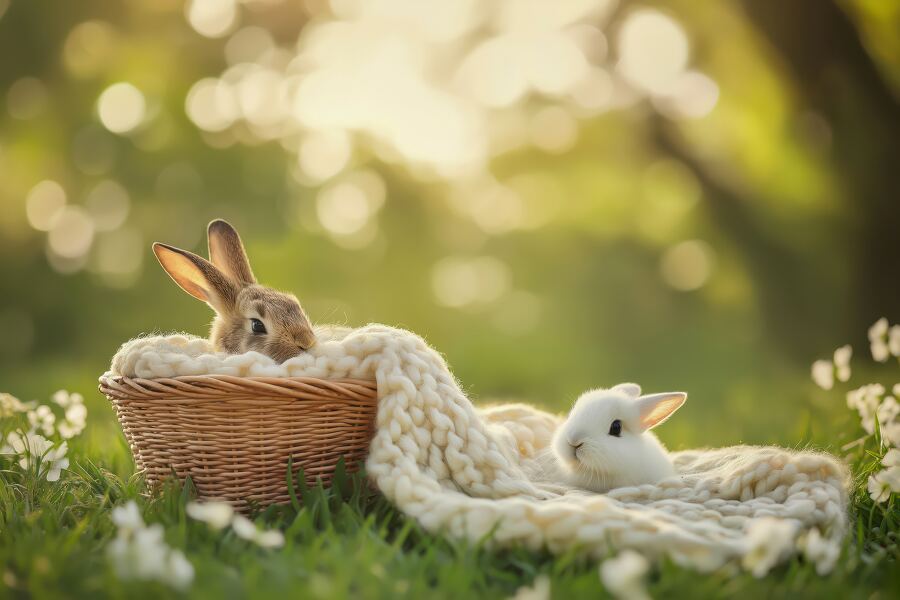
556 194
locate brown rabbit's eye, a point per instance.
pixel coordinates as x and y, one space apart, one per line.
257 326
616 428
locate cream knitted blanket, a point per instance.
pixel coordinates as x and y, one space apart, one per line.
468 472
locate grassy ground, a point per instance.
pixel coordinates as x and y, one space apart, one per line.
349 542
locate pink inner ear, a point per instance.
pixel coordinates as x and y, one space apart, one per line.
658 410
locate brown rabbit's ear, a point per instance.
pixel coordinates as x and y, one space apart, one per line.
197 276
227 252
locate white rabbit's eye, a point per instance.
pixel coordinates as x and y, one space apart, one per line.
256 326
616 428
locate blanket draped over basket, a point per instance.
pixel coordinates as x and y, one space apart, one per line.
468 472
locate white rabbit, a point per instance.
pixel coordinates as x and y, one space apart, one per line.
605 442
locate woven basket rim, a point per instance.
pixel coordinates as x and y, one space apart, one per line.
221 377
208 387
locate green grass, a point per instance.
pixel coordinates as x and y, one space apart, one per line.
348 542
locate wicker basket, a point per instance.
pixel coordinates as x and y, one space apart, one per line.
234 435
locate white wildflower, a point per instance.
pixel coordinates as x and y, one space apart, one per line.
891 476
866 400
75 421
217 515
887 410
879 329
896 390
880 351
245 528
10 405
181 571
26 446
75 413
539 590
823 371
140 552
128 517
890 434
624 575
878 344
32 449
118 552
894 340
842 362
892 458
884 482
823 374
65 399
42 418
770 541
54 461
149 546
821 551
271 538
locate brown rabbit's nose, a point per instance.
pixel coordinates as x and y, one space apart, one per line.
306 340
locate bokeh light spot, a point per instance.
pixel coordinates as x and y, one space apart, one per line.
121 107
212 18
26 98
492 76
693 95
108 205
458 282
260 97
343 208
653 50
324 154
44 203
686 266
63 264
494 207
595 91
211 105
88 47
72 233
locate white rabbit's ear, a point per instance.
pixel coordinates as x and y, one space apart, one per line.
226 251
656 408
629 389
197 276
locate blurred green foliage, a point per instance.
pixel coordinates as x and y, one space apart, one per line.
790 182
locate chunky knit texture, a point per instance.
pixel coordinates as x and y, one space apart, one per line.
467 472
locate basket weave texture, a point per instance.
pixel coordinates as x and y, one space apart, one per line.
234 436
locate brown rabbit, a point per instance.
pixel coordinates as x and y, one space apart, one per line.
248 316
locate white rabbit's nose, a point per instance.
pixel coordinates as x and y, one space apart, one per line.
575 447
